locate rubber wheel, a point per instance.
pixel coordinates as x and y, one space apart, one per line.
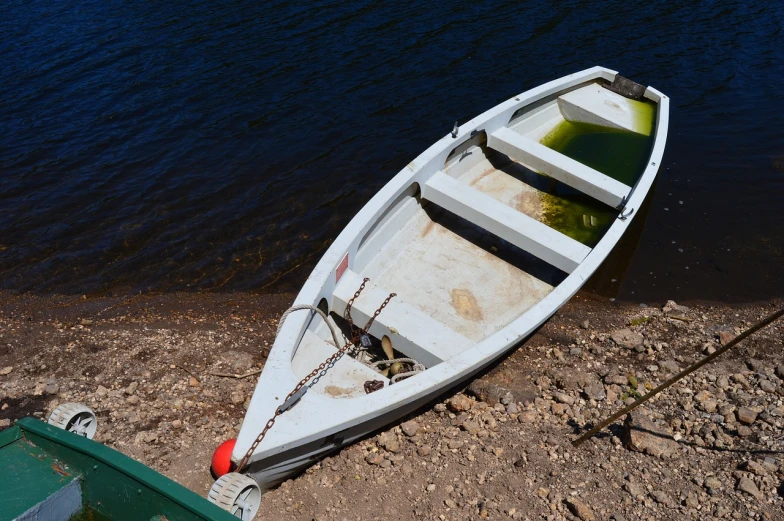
76 418
237 493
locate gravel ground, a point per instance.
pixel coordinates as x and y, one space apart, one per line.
157 370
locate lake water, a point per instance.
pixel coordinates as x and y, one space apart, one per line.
222 146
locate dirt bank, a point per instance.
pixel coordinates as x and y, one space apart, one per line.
150 366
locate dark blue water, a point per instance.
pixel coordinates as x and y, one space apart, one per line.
223 145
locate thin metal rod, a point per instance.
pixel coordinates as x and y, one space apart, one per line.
750 331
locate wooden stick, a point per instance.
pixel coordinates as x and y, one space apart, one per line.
238 376
750 331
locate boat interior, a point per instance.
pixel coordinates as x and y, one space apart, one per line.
498 227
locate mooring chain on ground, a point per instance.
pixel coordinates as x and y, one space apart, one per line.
300 389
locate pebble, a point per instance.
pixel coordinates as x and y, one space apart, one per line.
424 450
746 416
459 403
746 485
374 458
410 428
627 338
580 509
6 370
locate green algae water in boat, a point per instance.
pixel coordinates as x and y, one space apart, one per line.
50 474
481 238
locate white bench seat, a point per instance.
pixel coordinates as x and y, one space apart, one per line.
558 166
412 332
513 226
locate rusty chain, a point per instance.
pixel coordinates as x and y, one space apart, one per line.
296 394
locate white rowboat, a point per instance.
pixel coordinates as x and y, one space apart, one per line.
482 238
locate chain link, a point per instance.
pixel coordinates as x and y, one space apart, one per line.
356 333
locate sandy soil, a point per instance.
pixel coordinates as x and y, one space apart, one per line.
149 366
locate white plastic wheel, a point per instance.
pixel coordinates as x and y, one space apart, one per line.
76 418
237 493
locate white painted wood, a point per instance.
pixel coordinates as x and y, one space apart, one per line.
526 233
598 106
558 166
413 332
319 423
346 378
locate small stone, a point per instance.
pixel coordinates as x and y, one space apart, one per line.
132 387
450 503
543 492
5 422
670 366
102 391
470 426
744 432
374 458
410 428
193 381
754 467
627 338
86 322
709 406
585 324
723 382
746 416
527 417
634 489
6 370
595 391
563 398
643 435
671 308
780 371
133 400
424 451
52 389
663 498
389 441
431 487
692 501
746 485
512 408
439 407
580 509
768 386
559 409
455 444
725 337
459 403
758 366
713 485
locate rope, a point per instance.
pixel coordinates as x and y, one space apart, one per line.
418 368
311 308
362 355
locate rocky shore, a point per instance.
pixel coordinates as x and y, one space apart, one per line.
170 376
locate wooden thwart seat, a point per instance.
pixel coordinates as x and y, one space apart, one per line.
412 331
526 233
558 166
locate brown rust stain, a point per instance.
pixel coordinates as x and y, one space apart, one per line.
428 228
482 176
57 468
529 203
335 391
464 302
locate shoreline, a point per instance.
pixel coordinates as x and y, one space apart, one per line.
147 365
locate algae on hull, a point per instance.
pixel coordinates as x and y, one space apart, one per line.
619 154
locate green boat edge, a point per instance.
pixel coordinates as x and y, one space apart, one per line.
113 485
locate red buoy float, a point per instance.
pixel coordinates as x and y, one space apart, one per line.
221 458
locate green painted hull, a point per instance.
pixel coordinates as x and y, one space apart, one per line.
41 462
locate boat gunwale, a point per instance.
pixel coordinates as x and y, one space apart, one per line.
321 282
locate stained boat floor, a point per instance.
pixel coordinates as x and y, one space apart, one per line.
464 278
